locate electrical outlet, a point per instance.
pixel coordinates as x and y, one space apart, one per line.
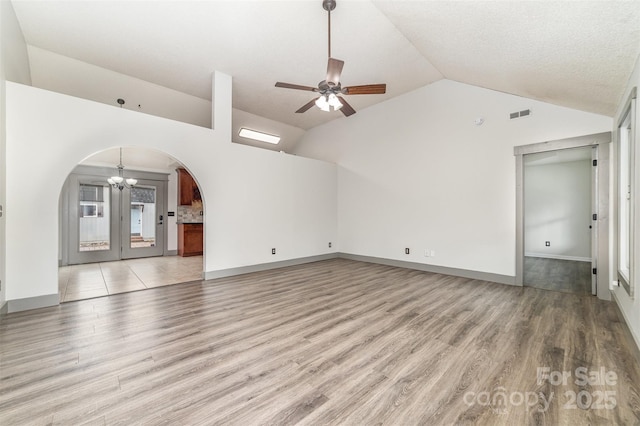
406 251
433 253
273 251
329 244
547 243
426 252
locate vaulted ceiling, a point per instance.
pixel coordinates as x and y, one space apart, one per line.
578 54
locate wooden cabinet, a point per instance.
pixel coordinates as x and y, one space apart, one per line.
188 190
190 239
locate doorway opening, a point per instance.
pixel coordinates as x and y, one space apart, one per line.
593 228
120 238
559 230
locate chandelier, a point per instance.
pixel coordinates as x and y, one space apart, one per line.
119 181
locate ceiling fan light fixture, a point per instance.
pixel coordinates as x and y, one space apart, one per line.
258 136
334 102
322 103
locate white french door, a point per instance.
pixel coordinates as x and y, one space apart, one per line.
103 223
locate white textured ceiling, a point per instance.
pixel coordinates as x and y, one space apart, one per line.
573 53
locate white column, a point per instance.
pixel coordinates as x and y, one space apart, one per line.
221 105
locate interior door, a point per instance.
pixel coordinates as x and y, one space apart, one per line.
143 216
594 220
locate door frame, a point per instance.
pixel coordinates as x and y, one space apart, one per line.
602 142
95 173
595 238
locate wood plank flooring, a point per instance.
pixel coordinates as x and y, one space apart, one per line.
336 342
567 276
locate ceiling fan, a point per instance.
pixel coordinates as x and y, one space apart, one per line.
330 88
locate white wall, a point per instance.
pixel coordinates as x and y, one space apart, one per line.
62 74
630 307
415 171
557 208
14 66
279 201
70 76
15 60
254 199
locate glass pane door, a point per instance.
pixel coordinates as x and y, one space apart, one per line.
94 214
105 223
142 208
92 220
143 224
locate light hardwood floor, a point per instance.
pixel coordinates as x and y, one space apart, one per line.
333 342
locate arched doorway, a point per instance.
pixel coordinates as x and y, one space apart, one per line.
122 237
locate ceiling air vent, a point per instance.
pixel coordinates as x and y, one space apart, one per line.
518 114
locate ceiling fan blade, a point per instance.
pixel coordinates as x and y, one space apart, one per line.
346 109
306 106
296 86
367 89
334 70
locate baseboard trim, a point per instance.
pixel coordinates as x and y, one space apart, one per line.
558 256
464 273
29 303
623 318
171 253
4 310
224 273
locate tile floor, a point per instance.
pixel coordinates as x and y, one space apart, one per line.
77 282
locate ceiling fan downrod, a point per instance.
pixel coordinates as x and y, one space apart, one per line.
329 5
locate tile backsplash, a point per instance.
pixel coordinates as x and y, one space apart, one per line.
189 214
